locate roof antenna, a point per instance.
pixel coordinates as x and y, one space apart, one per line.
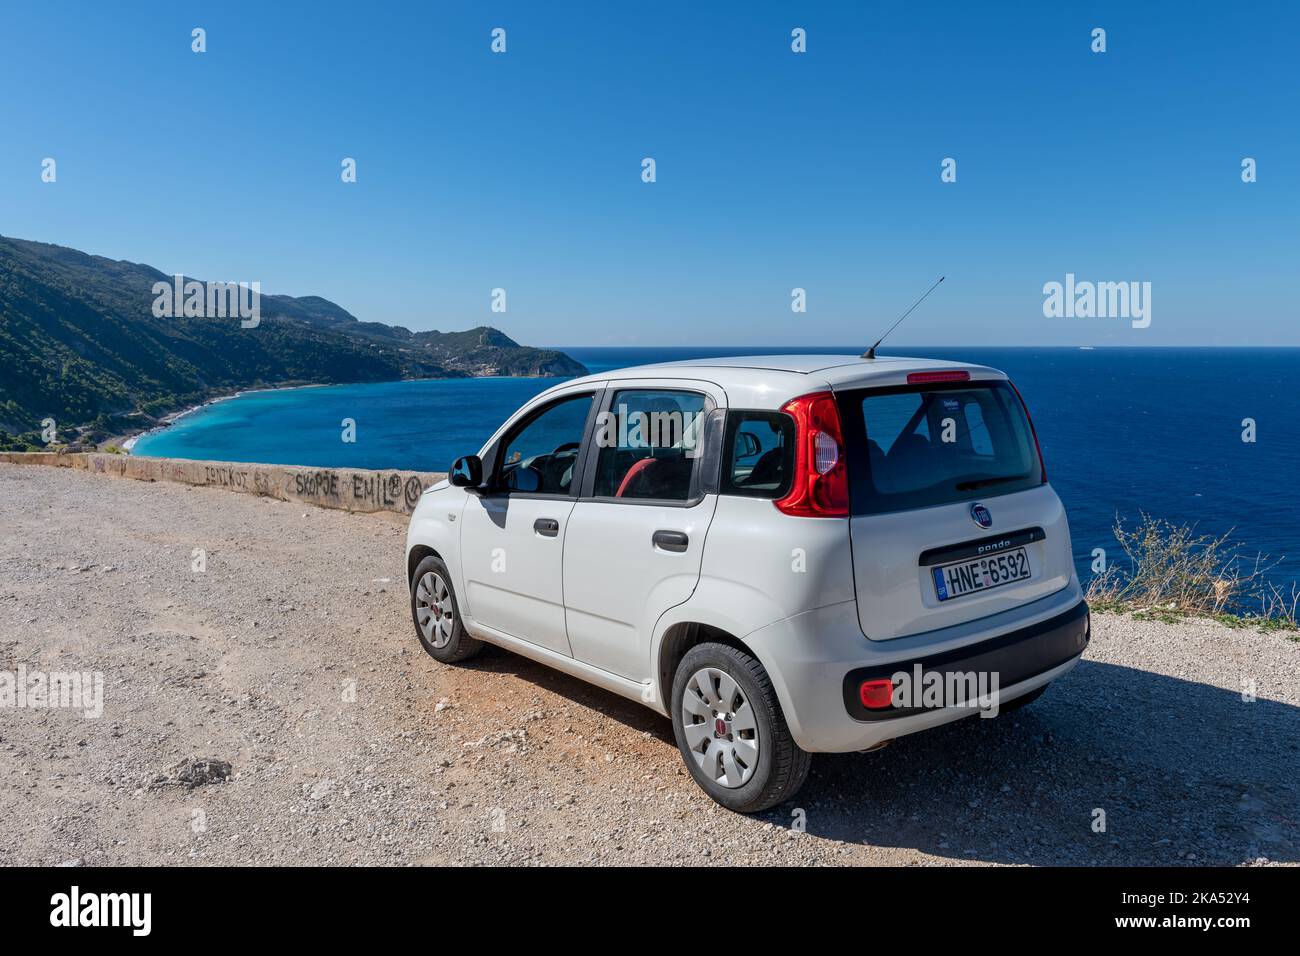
871 352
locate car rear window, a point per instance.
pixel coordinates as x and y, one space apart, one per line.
917 447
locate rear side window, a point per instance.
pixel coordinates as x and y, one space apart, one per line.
758 456
648 444
919 447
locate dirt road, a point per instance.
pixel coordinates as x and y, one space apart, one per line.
287 652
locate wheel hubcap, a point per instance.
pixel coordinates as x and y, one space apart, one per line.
720 727
433 609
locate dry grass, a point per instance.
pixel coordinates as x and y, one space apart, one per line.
1175 571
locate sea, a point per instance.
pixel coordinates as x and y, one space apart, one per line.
1124 432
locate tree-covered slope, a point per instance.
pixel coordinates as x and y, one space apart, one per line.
79 343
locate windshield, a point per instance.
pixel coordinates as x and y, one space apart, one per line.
917 447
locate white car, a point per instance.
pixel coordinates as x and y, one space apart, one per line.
775 552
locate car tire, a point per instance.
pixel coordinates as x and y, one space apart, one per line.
436 614
756 764
1024 700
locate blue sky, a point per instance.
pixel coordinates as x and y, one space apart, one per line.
775 170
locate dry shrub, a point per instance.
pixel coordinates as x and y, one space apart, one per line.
1173 568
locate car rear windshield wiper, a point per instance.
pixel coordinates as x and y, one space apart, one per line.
984 482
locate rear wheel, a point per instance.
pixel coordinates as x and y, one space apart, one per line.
436 616
731 732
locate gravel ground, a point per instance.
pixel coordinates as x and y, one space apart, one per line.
292 659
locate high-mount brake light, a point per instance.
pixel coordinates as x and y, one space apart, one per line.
820 488
928 378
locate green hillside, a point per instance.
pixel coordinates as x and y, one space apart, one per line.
79 343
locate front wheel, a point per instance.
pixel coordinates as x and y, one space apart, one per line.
436 616
731 732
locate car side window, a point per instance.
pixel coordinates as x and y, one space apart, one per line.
539 455
648 444
758 454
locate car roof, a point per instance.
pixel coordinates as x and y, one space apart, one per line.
800 372
802 364
766 381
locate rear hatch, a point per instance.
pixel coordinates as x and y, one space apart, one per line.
951 516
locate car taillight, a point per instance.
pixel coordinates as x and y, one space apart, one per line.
820 488
1032 430
876 694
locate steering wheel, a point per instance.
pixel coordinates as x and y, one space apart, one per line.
553 467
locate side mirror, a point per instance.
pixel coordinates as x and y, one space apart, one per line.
467 472
752 447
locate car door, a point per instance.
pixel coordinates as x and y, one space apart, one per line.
513 531
636 535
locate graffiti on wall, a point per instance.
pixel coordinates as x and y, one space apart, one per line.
348 489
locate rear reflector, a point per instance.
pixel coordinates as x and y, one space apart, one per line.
877 694
925 378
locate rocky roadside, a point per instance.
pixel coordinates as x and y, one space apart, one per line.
265 702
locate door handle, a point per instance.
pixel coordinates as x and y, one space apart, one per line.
547 526
675 541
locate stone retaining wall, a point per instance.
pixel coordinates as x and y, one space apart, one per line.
349 489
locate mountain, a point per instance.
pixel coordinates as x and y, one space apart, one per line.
80 343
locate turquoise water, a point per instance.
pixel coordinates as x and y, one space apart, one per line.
1122 430
421 426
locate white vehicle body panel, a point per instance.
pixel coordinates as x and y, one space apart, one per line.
620 583
898 595
514 581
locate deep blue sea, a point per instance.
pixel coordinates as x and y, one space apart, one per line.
1123 431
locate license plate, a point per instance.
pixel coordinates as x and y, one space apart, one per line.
980 574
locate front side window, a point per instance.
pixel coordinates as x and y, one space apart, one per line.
758 455
927 446
539 455
648 443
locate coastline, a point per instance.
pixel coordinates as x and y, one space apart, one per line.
128 442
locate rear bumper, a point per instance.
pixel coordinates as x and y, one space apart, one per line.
1014 658
818 660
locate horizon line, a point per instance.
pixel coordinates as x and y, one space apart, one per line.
845 348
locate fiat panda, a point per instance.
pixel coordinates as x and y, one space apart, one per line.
783 555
